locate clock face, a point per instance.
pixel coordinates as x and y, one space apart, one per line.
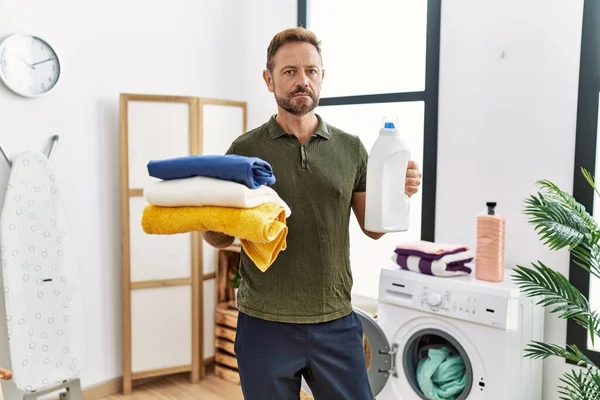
28 65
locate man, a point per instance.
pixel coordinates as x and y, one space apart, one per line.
296 319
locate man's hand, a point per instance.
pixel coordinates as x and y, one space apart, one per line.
413 178
217 239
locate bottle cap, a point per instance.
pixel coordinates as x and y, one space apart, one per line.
390 122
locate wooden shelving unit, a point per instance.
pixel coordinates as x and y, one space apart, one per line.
168 281
226 315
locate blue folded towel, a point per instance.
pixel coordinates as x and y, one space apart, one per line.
250 171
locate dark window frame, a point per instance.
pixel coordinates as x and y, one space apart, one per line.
429 97
585 152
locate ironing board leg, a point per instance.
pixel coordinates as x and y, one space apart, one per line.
72 391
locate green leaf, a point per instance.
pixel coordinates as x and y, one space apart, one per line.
588 176
555 195
540 350
556 292
580 385
559 219
587 257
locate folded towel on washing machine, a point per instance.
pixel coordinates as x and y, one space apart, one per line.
442 374
429 250
452 264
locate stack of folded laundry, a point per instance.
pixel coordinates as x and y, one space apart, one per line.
220 193
438 259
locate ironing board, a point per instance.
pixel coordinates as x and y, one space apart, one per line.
41 283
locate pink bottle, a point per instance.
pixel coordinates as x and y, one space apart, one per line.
489 255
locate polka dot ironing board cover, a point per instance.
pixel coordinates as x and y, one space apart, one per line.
41 282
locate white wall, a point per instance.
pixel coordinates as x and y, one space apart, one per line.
258 30
188 47
516 113
506 122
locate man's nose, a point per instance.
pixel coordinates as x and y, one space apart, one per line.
303 79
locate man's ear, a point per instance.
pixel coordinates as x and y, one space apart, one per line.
268 80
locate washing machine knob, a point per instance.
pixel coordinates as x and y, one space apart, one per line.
434 299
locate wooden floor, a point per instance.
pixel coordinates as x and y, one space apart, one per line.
179 388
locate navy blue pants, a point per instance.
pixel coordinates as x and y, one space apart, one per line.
272 357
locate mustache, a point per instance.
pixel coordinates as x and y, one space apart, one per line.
302 91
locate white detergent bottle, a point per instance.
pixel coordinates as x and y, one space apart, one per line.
387 206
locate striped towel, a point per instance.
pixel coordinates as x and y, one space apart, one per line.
452 263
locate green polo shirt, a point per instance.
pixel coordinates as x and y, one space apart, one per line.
311 280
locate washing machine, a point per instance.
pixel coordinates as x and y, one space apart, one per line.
487 324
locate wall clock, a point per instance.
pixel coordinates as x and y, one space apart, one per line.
29 66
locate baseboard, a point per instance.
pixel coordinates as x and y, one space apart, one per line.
104 389
115 386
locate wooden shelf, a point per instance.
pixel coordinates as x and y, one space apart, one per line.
225 328
226 314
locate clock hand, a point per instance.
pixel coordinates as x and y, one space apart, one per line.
29 65
41 62
23 61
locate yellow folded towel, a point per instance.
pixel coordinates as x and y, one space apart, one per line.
262 229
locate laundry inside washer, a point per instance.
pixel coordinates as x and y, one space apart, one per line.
436 366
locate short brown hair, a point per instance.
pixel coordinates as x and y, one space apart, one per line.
290 35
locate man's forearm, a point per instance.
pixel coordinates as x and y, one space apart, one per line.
358 206
217 239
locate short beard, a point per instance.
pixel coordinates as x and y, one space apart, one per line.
299 108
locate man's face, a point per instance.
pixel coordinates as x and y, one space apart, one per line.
296 77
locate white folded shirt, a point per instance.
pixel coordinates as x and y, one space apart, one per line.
201 191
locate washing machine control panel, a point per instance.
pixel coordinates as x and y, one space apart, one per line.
465 305
444 301
460 299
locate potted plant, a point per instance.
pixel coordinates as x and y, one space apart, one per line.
561 222
235 283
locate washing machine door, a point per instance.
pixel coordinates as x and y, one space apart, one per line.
381 358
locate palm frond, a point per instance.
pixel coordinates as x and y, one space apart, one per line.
559 219
580 385
588 177
556 195
555 291
587 257
556 226
541 350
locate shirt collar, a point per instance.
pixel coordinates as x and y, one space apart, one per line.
276 131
